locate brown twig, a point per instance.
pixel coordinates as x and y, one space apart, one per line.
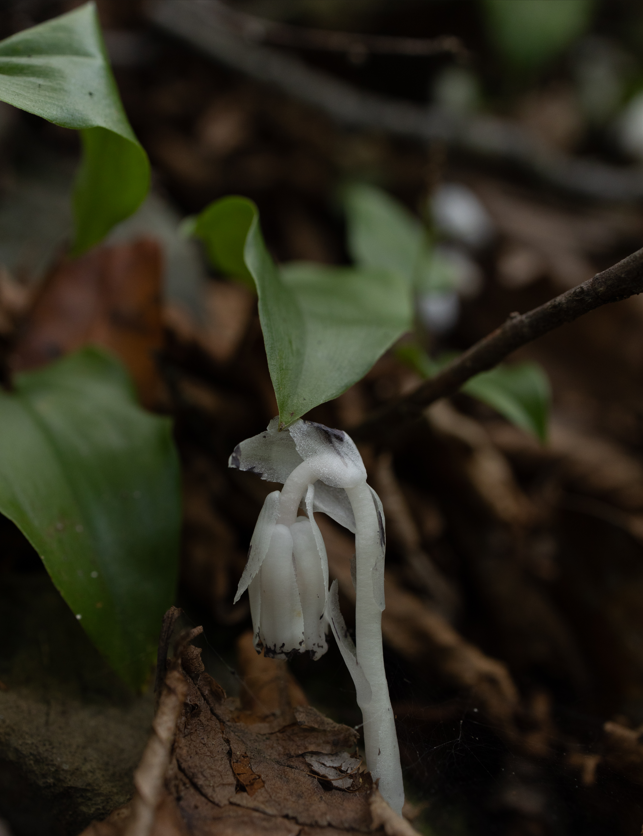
481 136
619 282
262 30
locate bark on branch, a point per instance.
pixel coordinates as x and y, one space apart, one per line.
619 282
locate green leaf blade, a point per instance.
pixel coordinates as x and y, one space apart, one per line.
323 327
59 70
108 159
521 393
381 232
93 483
352 317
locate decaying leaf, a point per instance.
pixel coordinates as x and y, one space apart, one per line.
340 769
109 297
231 772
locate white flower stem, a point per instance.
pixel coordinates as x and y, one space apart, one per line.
294 490
380 737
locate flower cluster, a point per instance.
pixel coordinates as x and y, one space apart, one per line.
287 570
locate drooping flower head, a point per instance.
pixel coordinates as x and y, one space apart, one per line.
287 570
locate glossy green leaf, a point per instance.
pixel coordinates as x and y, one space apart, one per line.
521 392
323 327
92 481
383 234
59 70
531 32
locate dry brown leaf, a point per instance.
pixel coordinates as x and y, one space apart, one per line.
269 689
110 297
234 773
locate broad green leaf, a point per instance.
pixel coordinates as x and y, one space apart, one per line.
521 392
529 33
59 70
323 327
383 234
92 481
352 317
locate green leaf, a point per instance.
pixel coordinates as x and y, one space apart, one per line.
323 327
529 33
352 316
59 70
383 234
92 481
520 392
224 227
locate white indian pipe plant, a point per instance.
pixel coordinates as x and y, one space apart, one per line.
287 570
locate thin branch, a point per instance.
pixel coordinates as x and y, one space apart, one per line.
619 282
206 30
357 46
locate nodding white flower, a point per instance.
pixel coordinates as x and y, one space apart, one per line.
287 581
287 570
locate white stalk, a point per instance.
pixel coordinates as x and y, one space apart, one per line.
380 737
294 490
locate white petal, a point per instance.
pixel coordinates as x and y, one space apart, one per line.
310 583
346 646
282 624
271 454
260 541
340 464
378 567
334 502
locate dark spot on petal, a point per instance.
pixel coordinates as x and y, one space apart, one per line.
335 438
